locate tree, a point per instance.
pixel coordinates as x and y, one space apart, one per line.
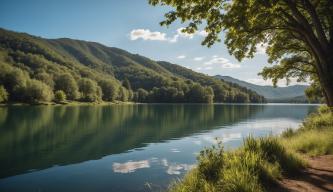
109 89
46 78
123 94
36 91
127 84
14 78
219 93
3 94
89 90
298 33
200 94
142 95
314 93
59 96
67 83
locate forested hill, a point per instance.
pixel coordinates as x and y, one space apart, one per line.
294 93
34 69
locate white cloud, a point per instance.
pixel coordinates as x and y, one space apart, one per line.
223 62
261 49
184 34
198 58
146 34
230 66
281 82
202 33
208 68
130 166
259 81
217 60
181 57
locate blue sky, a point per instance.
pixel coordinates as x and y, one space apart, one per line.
132 25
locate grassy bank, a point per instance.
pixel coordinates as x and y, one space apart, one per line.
259 163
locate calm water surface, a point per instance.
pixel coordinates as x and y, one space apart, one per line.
123 147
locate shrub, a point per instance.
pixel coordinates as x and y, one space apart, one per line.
211 162
288 133
59 96
37 91
3 94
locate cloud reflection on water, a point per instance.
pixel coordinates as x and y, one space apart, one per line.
172 168
130 166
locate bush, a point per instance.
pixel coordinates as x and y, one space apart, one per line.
288 133
36 91
59 96
3 94
211 162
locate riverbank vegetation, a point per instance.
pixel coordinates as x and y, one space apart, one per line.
260 162
37 70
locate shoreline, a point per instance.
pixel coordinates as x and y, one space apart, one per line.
105 103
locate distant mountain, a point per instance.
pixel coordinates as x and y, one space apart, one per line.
90 71
294 93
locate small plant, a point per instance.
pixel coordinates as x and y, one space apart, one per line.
288 133
211 162
3 94
59 96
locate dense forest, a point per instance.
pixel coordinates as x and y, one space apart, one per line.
37 70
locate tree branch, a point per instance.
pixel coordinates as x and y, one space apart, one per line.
317 24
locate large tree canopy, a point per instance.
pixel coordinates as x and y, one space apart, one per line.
298 33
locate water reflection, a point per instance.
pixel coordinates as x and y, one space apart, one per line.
42 136
137 142
130 166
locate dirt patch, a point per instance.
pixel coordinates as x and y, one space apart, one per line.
318 177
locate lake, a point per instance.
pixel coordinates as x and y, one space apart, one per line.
123 147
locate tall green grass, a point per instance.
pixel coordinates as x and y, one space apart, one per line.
315 136
253 167
259 162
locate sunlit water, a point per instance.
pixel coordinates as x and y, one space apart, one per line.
123 147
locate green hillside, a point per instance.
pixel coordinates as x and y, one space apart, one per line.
294 93
35 70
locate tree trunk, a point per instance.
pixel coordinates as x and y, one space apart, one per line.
326 81
328 92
